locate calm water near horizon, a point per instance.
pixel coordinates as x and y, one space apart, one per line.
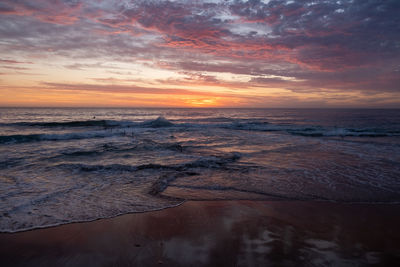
61 165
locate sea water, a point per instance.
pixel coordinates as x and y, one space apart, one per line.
61 165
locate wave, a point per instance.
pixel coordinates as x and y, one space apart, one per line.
252 126
19 138
343 132
11 162
146 145
17 228
120 127
312 131
211 162
87 123
82 123
158 123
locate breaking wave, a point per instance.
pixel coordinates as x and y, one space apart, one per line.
158 123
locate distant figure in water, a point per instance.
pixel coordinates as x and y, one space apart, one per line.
94 117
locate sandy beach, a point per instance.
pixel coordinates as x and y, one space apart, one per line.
219 233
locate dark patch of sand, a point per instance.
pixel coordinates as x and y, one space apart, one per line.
219 233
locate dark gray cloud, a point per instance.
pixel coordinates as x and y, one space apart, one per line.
330 35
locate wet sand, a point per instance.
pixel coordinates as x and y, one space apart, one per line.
220 233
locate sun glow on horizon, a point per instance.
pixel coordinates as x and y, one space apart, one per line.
202 102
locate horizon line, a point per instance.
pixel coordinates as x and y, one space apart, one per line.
155 107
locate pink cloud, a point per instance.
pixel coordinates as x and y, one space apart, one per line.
55 11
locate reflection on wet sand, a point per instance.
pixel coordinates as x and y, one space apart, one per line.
219 233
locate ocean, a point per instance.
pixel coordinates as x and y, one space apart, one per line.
62 165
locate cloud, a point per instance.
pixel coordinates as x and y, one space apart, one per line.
112 88
51 11
303 46
10 61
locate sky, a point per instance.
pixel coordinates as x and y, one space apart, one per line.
200 53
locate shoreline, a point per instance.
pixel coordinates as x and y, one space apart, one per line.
197 200
222 232
86 221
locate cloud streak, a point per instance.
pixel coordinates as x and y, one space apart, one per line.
112 88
